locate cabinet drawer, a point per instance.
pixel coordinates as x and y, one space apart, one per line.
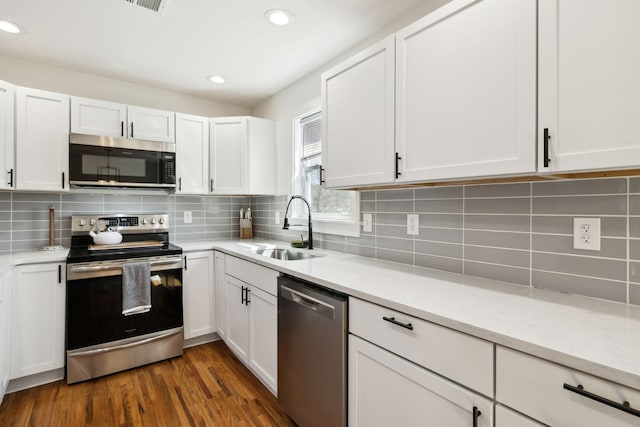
536 387
463 358
507 418
254 274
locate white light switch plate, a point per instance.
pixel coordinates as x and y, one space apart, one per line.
277 218
586 233
188 217
413 224
367 222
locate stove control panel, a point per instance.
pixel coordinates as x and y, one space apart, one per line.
125 224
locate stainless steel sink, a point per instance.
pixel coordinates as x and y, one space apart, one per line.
284 254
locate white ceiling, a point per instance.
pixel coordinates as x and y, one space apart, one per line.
191 39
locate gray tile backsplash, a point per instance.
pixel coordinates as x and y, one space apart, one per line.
517 232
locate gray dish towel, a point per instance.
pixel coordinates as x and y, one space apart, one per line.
136 288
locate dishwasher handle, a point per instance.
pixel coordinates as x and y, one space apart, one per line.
308 302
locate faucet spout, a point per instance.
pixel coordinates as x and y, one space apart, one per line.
286 225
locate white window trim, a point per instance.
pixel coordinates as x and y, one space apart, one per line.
351 227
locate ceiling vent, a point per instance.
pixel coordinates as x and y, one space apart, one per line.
152 5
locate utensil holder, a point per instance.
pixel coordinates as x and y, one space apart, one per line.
246 229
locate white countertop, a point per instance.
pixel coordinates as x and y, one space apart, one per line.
594 336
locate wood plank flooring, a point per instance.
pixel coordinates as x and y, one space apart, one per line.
207 386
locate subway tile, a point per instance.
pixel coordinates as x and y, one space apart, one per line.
367 195
122 198
439 263
580 205
634 294
122 208
398 231
497 206
498 190
453 192
395 256
580 186
333 238
503 273
334 246
363 240
405 194
5 236
77 208
609 248
497 239
38 235
450 235
451 206
634 249
28 245
610 226
5 196
395 244
440 249
497 222
512 257
20 196
365 251
634 226
606 289
394 206
441 220
5 226
82 198
634 271
391 219
580 265
35 206
634 185
634 205
367 206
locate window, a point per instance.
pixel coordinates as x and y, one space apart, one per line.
333 211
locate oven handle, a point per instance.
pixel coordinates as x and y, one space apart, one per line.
87 269
116 268
124 346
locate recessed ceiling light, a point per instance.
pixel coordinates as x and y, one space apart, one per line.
216 79
10 27
278 16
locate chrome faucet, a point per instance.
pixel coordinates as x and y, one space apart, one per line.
286 224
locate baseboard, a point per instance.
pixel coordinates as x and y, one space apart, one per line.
203 339
35 380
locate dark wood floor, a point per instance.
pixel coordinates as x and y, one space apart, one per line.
207 386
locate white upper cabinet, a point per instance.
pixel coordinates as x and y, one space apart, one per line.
42 140
358 118
7 138
589 84
192 154
151 125
102 118
93 117
466 91
242 156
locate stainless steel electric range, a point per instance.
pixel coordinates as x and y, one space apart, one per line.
100 338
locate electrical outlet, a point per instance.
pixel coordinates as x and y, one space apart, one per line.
413 224
367 222
277 218
586 233
188 217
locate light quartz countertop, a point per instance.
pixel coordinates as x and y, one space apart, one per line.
594 336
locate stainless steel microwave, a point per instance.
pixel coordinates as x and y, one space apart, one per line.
99 161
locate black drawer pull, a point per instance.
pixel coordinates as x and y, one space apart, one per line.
624 406
393 320
476 414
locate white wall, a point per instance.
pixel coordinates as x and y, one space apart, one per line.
304 95
57 79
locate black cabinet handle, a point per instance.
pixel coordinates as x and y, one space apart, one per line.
211 185
476 414
246 298
624 406
322 181
397 172
546 160
180 184
59 273
185 262
131 129
242 297
63 180
122 128
393 320
11 178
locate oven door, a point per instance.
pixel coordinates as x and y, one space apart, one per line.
113 166
94 302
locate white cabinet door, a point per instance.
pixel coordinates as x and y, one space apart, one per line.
94 117
5 347
37 319
220 294
151 125
386 390
358 118
228 151
192 154
263 335
589 85
7 139
199 298
261 153
42 140
466 91
237 318
507 418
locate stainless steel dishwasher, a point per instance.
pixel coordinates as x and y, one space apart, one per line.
312 353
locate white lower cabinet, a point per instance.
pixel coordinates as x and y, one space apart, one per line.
560 396
5 282
505 417
386 390
198 294
251 307
37 319
220 294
